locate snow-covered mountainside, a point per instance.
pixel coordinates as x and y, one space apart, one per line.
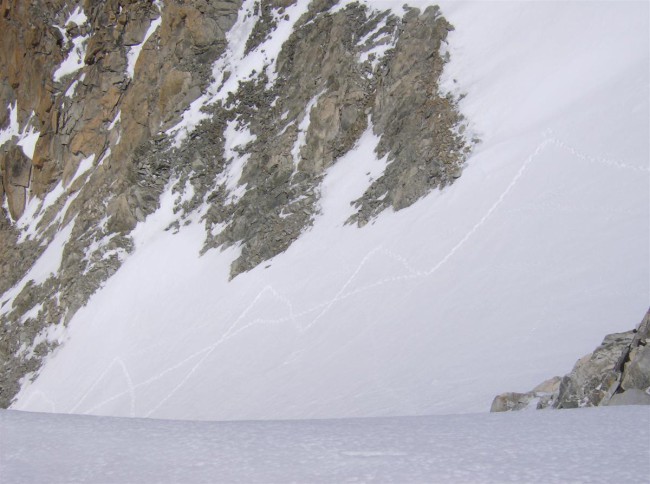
293 209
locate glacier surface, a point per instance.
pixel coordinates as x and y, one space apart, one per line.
605 445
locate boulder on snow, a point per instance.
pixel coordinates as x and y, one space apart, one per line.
596 376
509 401
540 397
616 373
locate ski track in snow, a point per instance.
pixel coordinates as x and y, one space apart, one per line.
39 394
239 325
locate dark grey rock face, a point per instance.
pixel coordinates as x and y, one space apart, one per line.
418 125
322 83
637 370
616 373
633 396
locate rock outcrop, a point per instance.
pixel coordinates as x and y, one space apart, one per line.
16 171
616 373
106 105
82 79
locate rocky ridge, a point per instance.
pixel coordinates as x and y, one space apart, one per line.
616 373
91 97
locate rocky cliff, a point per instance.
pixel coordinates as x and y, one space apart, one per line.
616 373
105 104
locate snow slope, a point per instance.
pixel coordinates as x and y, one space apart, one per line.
493 284
588 445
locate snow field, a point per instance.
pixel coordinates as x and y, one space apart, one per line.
601 445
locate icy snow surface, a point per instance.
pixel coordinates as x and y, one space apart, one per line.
589 445
496 283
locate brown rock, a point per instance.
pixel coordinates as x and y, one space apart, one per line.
135 31
203 30
90 138
172 90
551 385
42 150
507 402
121 218
633 396
16 200
109 101
637 372
616 373
16 167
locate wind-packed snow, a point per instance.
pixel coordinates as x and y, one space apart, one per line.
598 445
496 283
